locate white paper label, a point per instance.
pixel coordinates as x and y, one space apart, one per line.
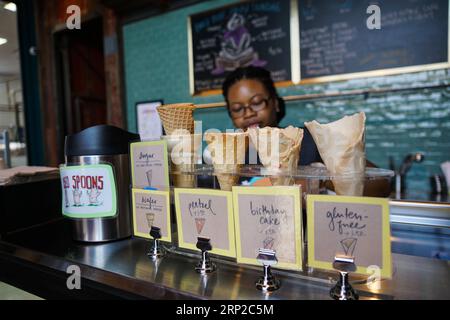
88 191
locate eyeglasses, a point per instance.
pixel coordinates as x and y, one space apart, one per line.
257 104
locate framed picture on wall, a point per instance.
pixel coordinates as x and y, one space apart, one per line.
148 123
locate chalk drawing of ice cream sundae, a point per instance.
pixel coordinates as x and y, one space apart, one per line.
77 193
236 50
93 197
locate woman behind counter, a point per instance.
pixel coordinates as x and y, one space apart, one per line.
252 100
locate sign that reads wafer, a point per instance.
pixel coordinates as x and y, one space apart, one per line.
151 208
351 226
269 218
205 213
149 164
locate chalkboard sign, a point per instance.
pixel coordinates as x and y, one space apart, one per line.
336 42
248 33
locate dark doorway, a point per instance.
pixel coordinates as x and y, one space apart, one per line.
81 75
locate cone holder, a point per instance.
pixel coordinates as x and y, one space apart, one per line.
343 290
267 282
156 251
205 265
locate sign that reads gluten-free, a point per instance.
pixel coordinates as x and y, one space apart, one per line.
205 213
351 226
149 164
88 191
151 208
269 218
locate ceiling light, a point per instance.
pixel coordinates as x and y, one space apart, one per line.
3 41
11 6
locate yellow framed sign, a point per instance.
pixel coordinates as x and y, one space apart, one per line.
352 226
149 164
270 218
205 213
151 208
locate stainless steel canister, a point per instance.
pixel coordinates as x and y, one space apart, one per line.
106 229
104 145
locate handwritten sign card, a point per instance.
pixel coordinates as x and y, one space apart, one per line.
205 213
352 226
151 208
270 218
149 164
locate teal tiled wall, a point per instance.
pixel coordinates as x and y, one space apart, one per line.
156 67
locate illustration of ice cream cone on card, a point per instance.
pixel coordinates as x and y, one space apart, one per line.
228 155
199 224
150 218
342 148
149 177
278 150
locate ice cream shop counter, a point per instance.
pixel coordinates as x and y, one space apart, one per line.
39 259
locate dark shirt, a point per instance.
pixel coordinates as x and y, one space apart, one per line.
308 151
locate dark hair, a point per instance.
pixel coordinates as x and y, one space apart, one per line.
254 73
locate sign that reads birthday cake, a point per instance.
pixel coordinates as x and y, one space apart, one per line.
268 218
89 191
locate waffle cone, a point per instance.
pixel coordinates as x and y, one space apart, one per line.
342 148
349 187
183 180
279 150
183 155
178 116
228 155
227 181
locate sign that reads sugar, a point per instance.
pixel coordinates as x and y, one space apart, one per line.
88 191
269 218
149 164
151 208
351 226
205 213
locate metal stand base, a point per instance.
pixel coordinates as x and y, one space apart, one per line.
343 290
205 265
157 251
267 284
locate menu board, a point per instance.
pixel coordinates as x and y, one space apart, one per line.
351 226
335 39
250 33
268 218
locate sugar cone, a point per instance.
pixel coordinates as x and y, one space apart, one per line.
279 151
342 148
183 155
227 181
183 180
178 116
228 155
